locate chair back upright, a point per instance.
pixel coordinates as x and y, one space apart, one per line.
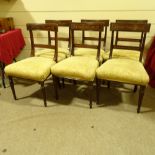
103 37
61 23
47 28
133 33
98 27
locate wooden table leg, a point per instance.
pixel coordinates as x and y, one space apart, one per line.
2 73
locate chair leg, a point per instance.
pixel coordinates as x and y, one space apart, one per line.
103 82
12 87
141 94
135 88
56 82
44 93
91 90
63 83
108 84
74 82
97 90
14 60
3 74
59 84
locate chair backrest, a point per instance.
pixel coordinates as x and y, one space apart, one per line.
32 27
98 27
131 39
103 36
61 23
130 21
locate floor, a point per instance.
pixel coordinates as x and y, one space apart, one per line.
69 127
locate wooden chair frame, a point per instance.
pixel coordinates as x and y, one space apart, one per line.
39 27
118 39
61 23
83 27
127 27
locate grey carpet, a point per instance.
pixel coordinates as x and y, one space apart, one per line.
69 127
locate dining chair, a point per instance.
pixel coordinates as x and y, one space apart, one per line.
77 67
35 68
64 37
117 53
87 37
125 53
126 70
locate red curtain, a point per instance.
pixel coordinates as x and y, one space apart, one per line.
150 63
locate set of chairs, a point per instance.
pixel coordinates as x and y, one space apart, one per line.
85 59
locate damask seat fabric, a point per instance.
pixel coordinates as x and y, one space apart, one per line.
123 70
122 53
34 68
88 52
80 68
49 53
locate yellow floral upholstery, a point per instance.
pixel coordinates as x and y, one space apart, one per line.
49 53
121 53
88 52
76 67
34 68
123 70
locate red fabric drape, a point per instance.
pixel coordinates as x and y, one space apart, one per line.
11 44
150 63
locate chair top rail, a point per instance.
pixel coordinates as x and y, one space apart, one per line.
87 26
64 23
130 27
130 21
105 22
42 26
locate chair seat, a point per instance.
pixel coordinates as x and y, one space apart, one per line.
48 53
123 70
76 67
88 52
33 68
121 53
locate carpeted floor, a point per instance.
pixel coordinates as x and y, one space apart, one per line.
69 127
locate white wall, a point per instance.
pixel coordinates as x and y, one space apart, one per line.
25 11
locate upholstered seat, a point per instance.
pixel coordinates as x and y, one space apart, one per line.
49 53
89 52
79 68
34 68
122 53
123 70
